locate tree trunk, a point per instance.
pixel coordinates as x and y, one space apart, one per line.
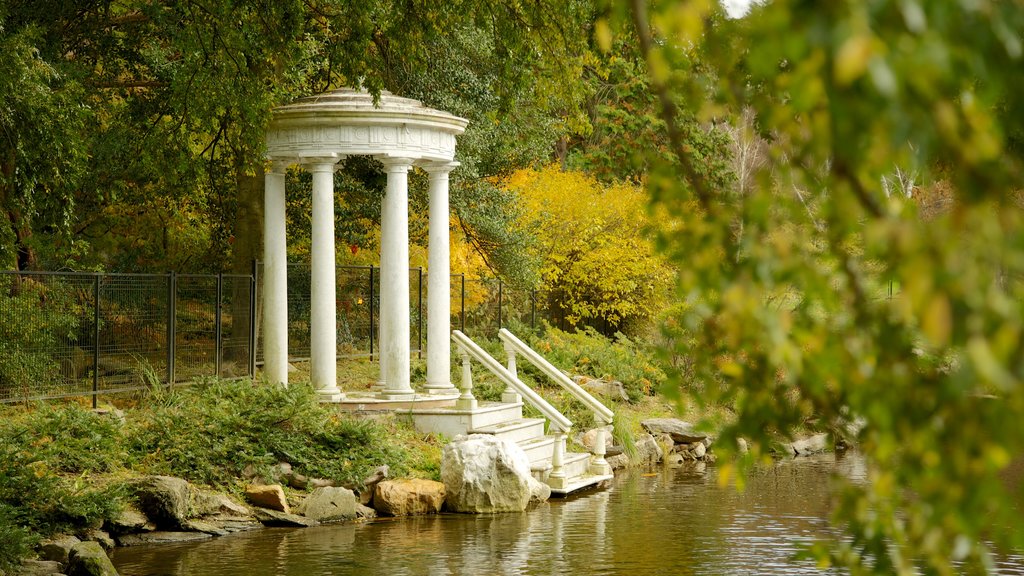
247 248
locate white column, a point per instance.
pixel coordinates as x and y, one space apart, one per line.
439 283
323 354
275 278
394 280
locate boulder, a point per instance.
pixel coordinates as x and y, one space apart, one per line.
741 446
680 431
647 450
589 439
699 450
58 548
674 460
211 503
408 497
100 537
298 481
321 483
39 568
206 527
269 496
379 473
285 519
165 499
370 483
609 389
365 512
484 474
147 538
812 445
89 559
130 520
618 461
329 505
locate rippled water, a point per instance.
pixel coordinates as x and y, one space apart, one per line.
671 522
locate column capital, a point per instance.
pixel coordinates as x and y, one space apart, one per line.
393 164
279 165
320 163
439 168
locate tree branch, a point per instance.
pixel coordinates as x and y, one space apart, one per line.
669 112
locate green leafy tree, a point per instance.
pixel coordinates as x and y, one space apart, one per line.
783 283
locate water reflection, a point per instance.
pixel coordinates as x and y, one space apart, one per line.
660 521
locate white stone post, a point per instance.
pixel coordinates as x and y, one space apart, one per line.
323 356
598 465
466 400
275 278
557 478
394 281
439 378
509 395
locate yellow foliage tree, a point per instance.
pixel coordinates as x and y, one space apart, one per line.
594 241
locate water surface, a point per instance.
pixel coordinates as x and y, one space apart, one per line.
664 521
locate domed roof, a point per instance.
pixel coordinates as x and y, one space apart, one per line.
346 121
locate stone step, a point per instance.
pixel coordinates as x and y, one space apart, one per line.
451 422
514 430
538 449
573 463
581 482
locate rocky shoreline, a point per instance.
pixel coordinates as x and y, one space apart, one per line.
167 509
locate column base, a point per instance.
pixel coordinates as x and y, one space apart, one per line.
466 404
559 482
448 388
600 468
330 395
396 394
378 387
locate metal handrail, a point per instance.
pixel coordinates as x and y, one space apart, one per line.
466 345
602 413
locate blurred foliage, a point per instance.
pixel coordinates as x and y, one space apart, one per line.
786 315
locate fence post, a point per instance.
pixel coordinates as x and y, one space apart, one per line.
499 304
217 326
419 314
96 338
462 306
369 303
253 331
171 317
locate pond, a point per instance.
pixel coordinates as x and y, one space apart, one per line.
669 521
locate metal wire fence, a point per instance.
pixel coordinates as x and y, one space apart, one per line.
82 334
86 334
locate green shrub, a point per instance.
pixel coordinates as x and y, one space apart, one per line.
591 354
71 439
210 434
36 502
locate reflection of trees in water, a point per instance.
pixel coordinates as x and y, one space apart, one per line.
662 521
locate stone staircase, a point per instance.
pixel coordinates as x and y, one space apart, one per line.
505 420
542 439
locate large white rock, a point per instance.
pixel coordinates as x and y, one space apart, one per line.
483 474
